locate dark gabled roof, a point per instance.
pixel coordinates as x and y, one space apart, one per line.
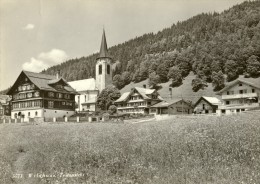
103 48
255 82
212 101
44 82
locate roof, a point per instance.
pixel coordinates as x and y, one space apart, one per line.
123 97
167 103
211 100
103 48
144 92
90 101
83 85
44 82
255 82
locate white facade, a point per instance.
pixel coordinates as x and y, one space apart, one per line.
103 73
238 97
41 113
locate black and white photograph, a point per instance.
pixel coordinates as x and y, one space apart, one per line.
129 91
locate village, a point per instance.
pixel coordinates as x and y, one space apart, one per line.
37 97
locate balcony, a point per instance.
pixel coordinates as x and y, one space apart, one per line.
236 96
239 106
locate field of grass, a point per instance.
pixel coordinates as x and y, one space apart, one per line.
190 150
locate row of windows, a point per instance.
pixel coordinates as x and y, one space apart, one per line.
26 95
240 91
100 69
132 110
26 87
51 104
36 103
28 114
58 95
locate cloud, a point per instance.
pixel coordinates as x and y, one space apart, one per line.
29 27
45 60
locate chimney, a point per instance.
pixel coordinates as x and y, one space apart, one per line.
58 74
144 85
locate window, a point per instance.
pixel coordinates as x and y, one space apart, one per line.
227 92
36 113
245 91
240 91
51 94
227 102
203 106
108 69
85 98
50 104
29 114
88 106
29 104
240 84
37 94
59 95
29 95
253 90
223 111
100 69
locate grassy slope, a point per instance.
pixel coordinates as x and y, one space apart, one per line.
185 90
204 149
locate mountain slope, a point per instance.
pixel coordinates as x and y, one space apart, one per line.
226 43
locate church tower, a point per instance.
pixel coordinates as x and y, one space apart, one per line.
103 66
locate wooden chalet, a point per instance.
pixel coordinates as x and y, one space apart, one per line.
138 100
41 95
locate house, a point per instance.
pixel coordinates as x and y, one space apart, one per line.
172 107
89 89
41 95
138 100
240 95
206 105
87 97
5 105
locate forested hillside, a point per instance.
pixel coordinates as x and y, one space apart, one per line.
210 45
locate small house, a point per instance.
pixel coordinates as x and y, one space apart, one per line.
172 107
206 105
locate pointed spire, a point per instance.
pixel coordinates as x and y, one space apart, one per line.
103 48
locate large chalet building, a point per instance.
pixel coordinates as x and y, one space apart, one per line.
41 95
138 100
239 95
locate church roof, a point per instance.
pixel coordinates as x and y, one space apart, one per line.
103 48
83 85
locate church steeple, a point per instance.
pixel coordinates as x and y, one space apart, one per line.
103 48
103 66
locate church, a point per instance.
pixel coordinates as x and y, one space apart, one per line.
89 89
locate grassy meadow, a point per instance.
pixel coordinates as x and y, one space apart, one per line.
189 150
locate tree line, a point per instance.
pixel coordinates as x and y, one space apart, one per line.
211 45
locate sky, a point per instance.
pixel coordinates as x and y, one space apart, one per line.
37 34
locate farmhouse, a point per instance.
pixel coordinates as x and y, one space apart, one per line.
240 95
138 100
206 105
5 105
89 89
41 95
172 107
